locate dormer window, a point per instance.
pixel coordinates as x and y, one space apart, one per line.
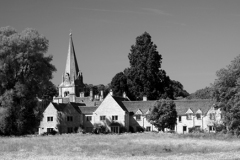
138 117
189 116
198 116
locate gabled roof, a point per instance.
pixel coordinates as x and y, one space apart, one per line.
71 63
77 105
134 106
183 105
120 100
60 106
87 109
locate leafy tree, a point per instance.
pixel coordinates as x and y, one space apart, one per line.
119 84
145 77
205 93
144 74
226 89
163 115
25 71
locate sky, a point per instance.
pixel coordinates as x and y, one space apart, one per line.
196 38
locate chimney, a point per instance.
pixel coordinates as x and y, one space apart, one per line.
111 92
124 95
101 95
144 98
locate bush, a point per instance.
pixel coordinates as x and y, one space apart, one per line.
195 130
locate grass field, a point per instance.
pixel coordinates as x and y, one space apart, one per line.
124 146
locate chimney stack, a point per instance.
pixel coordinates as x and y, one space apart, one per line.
124 95
111 92
144 98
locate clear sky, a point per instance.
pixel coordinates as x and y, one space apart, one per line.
195 37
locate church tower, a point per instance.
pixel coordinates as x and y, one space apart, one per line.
72 79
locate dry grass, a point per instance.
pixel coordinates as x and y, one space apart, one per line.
125 146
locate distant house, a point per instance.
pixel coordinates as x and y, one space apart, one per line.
61 118
200 114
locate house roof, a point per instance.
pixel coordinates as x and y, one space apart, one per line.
120 100
60 106
203 104
77 105
87 109
134 106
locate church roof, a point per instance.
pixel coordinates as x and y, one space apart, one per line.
71 64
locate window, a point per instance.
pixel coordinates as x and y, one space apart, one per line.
69 118
180 119
198 116
211 128
89 118
138 117
189 116
66 93
102 118
49 119
148 129
49 130
114 118
212 116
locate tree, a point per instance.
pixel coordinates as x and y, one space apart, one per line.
25 72
144 73
163 115
119 84
145 77
205 93
226 91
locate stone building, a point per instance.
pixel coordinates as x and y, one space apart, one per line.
71 110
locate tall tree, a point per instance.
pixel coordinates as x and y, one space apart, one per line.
226 90
25 71
163 115
144 73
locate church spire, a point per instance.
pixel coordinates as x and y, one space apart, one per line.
71 65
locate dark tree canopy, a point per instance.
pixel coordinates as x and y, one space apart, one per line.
145 63
226 89
145 77
25 72
163 115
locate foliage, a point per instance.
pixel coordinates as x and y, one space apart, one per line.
96 89
25 72
205 93
163 115
145 77
226 91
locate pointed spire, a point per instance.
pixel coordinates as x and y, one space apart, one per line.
71 64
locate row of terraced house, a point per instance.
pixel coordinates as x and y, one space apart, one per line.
71 110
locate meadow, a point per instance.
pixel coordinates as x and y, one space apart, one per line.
124 146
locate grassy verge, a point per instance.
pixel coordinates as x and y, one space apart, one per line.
124 146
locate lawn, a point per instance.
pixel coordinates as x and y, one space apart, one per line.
123 146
